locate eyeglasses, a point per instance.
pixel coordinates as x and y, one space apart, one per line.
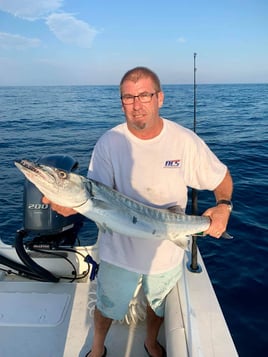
143 98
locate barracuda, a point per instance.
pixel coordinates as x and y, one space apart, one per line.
111 210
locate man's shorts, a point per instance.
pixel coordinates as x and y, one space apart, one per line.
116 287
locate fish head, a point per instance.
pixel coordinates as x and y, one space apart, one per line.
59 186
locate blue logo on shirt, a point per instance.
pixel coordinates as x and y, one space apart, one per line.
172 163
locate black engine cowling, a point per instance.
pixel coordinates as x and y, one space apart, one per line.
39 219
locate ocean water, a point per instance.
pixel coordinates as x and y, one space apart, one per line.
232 119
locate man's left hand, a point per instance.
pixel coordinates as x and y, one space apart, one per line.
219 216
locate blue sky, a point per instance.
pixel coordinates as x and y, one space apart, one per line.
62 42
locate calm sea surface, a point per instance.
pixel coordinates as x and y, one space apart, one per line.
233 120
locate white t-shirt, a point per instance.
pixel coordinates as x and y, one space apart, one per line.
156 172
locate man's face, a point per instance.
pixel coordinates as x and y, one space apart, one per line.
142 114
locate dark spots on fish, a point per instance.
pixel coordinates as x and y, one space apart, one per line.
134 220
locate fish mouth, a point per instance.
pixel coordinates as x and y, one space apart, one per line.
31 169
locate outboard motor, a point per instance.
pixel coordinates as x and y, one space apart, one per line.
40 220
50 229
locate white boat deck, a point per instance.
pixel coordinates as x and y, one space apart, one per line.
53 320
199 315
40 319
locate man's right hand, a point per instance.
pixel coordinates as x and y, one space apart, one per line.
64 211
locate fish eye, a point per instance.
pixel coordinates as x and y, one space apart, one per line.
62 174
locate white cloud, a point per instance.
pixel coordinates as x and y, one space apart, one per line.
181 40
30 9
70 30
64 26
8 40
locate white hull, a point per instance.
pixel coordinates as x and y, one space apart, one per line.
39 319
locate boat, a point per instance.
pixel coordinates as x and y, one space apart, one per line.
47 295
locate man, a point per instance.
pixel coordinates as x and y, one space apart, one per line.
152 160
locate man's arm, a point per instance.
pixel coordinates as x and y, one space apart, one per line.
220 214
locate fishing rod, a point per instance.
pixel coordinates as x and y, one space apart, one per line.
194 267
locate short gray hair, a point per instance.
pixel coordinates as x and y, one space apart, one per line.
137 73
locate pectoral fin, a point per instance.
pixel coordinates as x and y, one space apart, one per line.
180 240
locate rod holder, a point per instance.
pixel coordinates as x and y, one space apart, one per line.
193 265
